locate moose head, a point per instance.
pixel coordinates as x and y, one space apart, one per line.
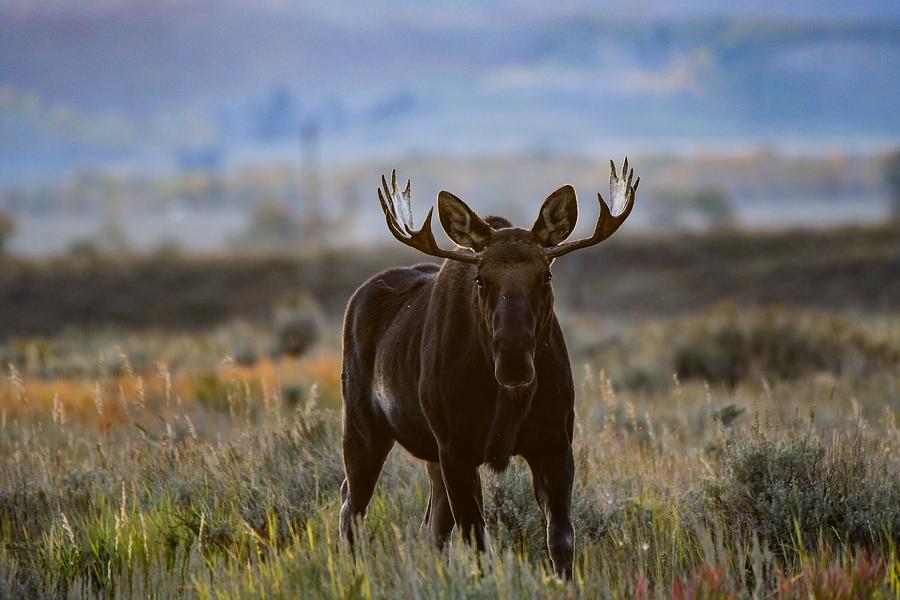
511 267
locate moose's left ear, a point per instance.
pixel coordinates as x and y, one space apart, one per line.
557 218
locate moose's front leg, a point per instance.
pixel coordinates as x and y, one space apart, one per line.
552 472
464 491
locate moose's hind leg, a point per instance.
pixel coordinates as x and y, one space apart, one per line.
364 454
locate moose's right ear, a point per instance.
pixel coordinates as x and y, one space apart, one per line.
557 218
461 223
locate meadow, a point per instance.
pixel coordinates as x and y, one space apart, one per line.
724 448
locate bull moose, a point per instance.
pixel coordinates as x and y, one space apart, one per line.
464 363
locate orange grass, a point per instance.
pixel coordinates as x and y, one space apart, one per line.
132 397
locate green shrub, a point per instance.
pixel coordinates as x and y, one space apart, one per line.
777 345
246 355
791 493
298 324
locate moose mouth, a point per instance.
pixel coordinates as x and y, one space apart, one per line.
515 371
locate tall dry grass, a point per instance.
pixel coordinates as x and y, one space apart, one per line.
190 475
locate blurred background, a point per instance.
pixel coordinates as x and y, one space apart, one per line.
191 165
187 201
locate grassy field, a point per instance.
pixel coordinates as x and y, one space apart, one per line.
165 430
727 453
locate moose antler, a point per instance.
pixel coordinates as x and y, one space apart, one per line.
398 215
621 193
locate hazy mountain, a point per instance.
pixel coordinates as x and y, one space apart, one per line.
88 82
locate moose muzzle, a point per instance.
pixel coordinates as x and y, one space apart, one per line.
513 343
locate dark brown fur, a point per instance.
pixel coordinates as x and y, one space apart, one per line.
463 365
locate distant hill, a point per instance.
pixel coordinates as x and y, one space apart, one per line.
96 82
844 270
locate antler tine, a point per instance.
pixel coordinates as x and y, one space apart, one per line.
397 208
620 189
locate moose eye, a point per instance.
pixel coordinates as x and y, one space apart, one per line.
547 277
479 282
